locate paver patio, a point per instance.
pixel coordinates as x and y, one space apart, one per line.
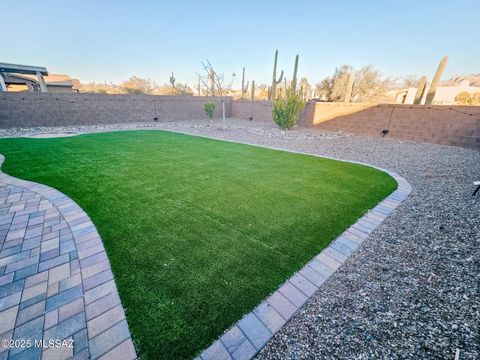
55 280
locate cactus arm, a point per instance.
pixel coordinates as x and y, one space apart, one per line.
436 81
243 83
294 80
422 84
244 88
280 79
273 89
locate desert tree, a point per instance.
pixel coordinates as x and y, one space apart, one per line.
333 88
183 89
410 81
137 85
213 83
101 88
305 89
368 85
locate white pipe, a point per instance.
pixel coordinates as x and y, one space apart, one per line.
3 87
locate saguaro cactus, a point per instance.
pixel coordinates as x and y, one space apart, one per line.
244 88
252 97
294 80
172 80
436 80
422 84
275 82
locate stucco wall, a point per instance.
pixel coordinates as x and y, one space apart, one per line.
46 109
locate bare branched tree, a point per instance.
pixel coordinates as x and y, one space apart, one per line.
213 83
410 81
333 88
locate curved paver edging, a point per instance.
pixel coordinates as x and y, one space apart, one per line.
250 334
55 278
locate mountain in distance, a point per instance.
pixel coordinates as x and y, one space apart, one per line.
474 80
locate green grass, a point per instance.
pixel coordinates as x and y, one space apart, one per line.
198 231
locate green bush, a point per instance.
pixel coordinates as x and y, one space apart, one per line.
209 109
287 109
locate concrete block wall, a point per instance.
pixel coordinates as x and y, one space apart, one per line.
261 110
47 109
450 125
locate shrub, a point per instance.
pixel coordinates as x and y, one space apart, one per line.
209 109
463 98
466 98
287 109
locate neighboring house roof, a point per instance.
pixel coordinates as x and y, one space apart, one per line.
58 80
76 84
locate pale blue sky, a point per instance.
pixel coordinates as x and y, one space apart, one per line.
107 40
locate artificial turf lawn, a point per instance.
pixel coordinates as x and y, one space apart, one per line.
198 231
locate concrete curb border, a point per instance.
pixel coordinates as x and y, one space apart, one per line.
111 338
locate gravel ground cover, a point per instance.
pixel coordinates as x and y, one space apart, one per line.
412 290
266 130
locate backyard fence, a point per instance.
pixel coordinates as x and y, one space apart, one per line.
451 125
46 109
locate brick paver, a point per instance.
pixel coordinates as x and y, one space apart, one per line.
55 279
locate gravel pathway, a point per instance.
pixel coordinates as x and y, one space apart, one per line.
412 289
